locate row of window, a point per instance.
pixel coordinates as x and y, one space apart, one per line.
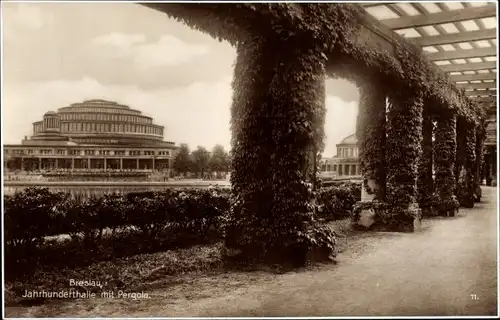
106 127
114 141
87 152
342 169
51 123
103 110
347 152
97 141
105 117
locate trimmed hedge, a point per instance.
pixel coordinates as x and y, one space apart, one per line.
117 225
109 226
337 202
36 213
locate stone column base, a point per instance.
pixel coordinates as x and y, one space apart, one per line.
406 219
467 201
477 193
368 214
448 208
379 216
428 211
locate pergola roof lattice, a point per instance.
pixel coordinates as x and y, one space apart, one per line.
459 37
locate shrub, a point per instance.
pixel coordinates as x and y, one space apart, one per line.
83 222
28 216
337 202
112 225
116 225
148 214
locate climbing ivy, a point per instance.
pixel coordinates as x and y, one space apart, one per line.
370 132
425 179
465 164
480 138
277 119
460 155
284 51
335 29
403 150
444 162
470 160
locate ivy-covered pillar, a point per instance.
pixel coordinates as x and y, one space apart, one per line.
459 171
467 199
277 115
425 179
403 152
444 163
371 135
480 136
370 132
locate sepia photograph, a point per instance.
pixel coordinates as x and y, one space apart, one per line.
234 159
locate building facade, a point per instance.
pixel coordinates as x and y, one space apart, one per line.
346 163
96 135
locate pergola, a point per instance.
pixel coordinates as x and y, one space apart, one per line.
420 153
460 38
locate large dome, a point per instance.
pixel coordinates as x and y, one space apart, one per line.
104 122
349 140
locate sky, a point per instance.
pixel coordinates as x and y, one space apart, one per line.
55 54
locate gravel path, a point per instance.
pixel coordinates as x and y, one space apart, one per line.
447 269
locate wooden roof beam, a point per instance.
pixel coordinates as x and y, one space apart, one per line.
491 111
481 93
462 54
384 34
374 4
469 66
442 17
472 77
488 85
486 99
456 37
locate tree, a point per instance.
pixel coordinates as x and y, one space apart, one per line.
200 159
183 162
219 160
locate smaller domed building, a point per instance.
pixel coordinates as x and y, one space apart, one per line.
346 163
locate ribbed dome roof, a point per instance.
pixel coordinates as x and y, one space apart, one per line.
99 103
51 113
349 140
